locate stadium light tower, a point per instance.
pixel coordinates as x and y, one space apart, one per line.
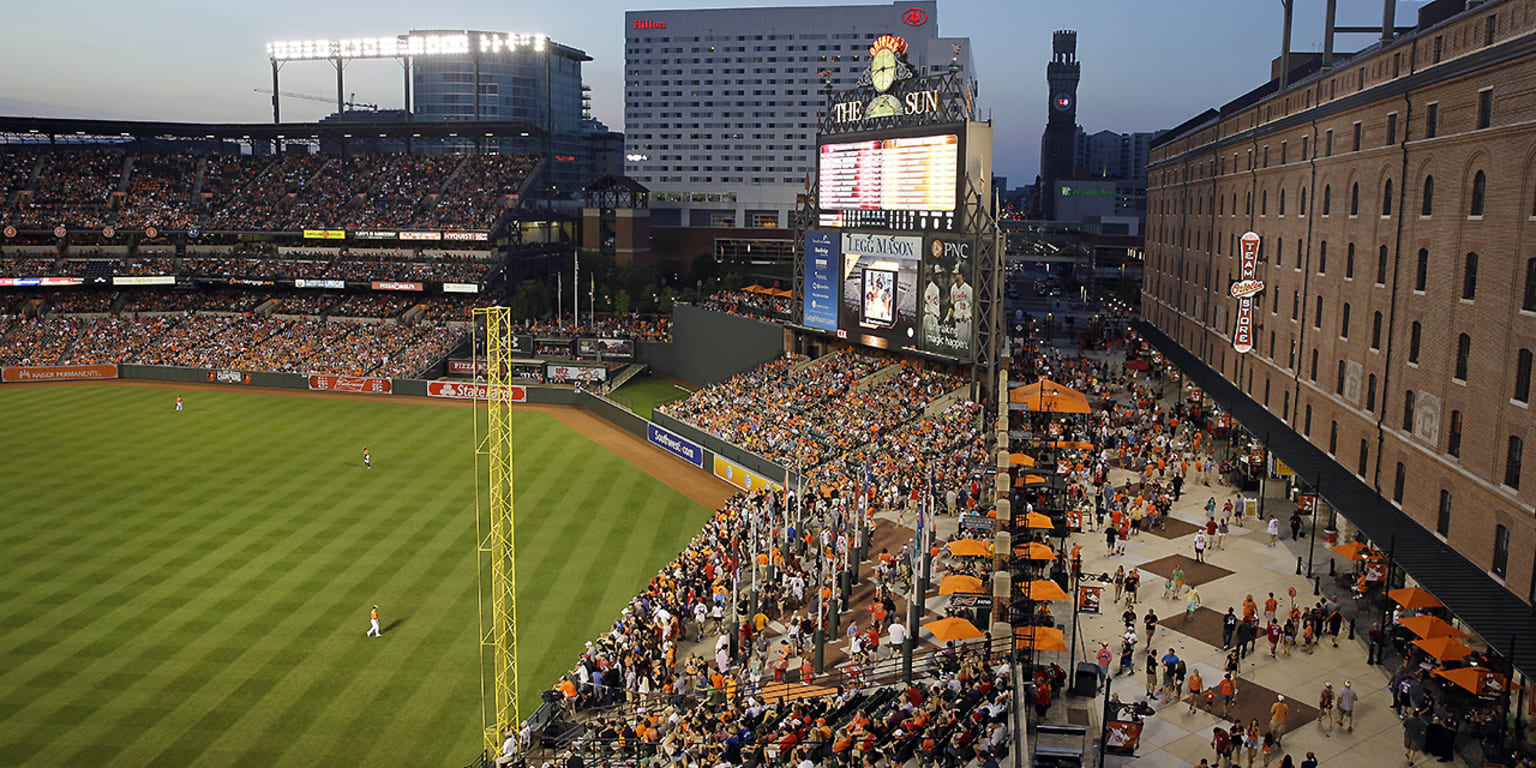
496 542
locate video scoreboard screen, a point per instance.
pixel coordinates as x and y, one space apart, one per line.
905 183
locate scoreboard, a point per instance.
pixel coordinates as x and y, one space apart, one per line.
904 183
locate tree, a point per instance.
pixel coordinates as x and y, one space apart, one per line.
621 302
530 301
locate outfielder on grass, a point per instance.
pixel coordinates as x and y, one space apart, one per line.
373 624
367 459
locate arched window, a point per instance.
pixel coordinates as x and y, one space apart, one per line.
1322 256
1328 199
1282 202
1344 321
1386 199
1479 192
1453 439
1415 335
1302 209
1469 277
1421 272
1354 200
1263 202
1381 266
1463 355
1349 261
1530 286
1429 197
1408 402
1376 331
1512 461
1523 376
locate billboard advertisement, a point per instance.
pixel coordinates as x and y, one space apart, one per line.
460 288
57 373
907 182
34 282
741 477
395 285
304 282
575 373
350 384
228 377
145 280
948 297
616 349
678 446
820 290
879 289
470 390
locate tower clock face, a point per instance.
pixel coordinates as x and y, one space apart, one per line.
882 70
1062 102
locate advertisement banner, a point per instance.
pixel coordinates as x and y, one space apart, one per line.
471 390
350 384
970 601
460 288
684 449
248 281
978 523
34 282
615 349
1090 599
374 234
741 477
145 280
391 285
948 297
575 373
421 235
821 261
1123 736
472 236
57 373
229 377
325 234
309 283
1244 290
879 289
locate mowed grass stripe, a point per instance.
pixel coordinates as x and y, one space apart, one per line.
246 616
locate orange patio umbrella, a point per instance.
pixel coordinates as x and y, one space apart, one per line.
952 628
1034 550
1021 460
1037 520
1413 597
1444 648
1354 550
1045 590
1480 681
1034 480
1039 638
1072 445
1431 626
960 582
1049 396
968 548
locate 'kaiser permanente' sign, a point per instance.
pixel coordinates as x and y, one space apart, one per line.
687 450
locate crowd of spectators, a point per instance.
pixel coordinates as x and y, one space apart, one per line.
759 305
809 414
27 267
297 191
652 328
323 265
371 305
245 342
78 302
163 300
306 303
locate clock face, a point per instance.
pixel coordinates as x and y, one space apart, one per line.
884 105
1062 102
882 70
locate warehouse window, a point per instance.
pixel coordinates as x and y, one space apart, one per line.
1386 199
1322 257
1365 458
1282 202
1338 387
1479 192
1453 440
1415 335
1529 303
1354 200
1381 266
1301 209
1428 207
1409 400
1355 142
1500 551
1370 393
1512 459
1349 262
1333 437
1317 313
1421 271
1399 478
1264 202
1344 322
1432 121
1523 376
1314 364
1391 129
1485 108
1376 331
1463 355
1443 518
1328 199
1469 277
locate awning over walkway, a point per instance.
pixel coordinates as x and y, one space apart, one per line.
1467 590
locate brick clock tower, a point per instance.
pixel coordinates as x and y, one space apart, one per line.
1058 144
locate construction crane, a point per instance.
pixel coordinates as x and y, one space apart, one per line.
349 103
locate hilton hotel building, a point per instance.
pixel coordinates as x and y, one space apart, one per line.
721 105
1394 193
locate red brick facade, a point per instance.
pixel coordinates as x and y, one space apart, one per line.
1444 172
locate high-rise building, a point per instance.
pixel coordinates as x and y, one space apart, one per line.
1058 146
1387 353
1110 155
721 105
537 82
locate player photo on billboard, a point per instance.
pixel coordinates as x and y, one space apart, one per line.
948 298
879 289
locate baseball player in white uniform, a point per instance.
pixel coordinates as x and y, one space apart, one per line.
960 307
932 296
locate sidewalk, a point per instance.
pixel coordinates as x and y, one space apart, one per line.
1174 737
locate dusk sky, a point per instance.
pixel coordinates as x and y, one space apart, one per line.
1146 65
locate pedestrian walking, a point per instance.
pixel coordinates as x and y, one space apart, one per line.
1278 712
1200 544
1221 534
1274 531
1150 621
1195 686
1228 628
1191 603
1325 708
373 624
1346 707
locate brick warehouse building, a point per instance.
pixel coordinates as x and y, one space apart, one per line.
1395 196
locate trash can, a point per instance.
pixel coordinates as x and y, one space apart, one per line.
1330 536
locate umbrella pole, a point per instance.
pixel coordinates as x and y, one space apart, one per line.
1312 544
1072 654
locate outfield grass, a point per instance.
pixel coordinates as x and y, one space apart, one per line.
193 588
644 394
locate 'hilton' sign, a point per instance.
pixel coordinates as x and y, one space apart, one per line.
648 24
